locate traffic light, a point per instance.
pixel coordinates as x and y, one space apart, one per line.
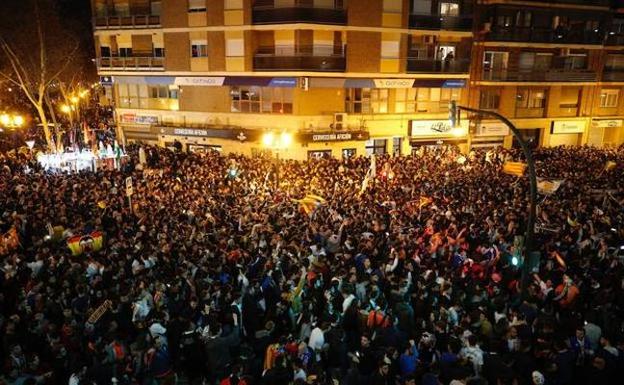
453 114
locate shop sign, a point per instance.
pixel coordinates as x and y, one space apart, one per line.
568 127
333 136
607 123
492 129
214 81
433 127
139 119
283 82
394 83
189 132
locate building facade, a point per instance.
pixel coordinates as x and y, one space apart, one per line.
353 77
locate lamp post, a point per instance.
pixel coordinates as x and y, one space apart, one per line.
454 116
276 143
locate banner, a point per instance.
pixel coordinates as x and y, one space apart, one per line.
514 168
548 187
79 244
610 165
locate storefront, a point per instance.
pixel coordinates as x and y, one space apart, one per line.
606 133
201 140
566 132
437 133
337 144
489 134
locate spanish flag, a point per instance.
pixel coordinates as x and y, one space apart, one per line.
79 244
74 245
610 165
514 168
309 203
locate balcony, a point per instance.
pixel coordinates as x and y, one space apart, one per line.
531 112
126 22
454 66
613 76
303 58
545 35
133 63
299 13
440 22
614 38
600 3
541 75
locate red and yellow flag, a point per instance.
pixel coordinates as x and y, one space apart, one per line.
514 168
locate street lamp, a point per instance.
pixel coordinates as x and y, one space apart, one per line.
13 122
454 119
277 143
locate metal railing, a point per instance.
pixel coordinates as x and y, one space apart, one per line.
122 22
436 65
437 22
580 2
132 63
613 75
541 75
615 38
308 58
545 35
298 13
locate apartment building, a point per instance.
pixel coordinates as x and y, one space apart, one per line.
353 77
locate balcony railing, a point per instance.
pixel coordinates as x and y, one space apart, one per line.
438 22
580 2
454 66
614 38
271 14
133 63
541 75
304 58
613 76
129 22
531 112
545 35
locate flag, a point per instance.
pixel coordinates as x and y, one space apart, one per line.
79 244
365 182
514 168
548 187
419 203
373 166
9 241
309 203
572 223
610 165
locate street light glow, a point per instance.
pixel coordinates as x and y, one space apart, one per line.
65 109
267 139
285 139
74 99
18 120
5 119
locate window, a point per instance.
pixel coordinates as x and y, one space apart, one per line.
396 146
574 62
615 63
159 52
435 99
503 21
199 49
405 100
105 52
261 100
523 19
367 100
375 146
609 98
146 97
348 153
125 52
569 97
392 6
449 9
489 99
233 4
197 5
494 64
155 8
531 98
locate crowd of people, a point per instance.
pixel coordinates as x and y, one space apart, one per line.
410 273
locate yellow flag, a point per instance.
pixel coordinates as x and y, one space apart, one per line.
514 168
610 165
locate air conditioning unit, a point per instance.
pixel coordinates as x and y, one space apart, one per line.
340 121
428 39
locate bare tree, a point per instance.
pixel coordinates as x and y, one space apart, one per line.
35 54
